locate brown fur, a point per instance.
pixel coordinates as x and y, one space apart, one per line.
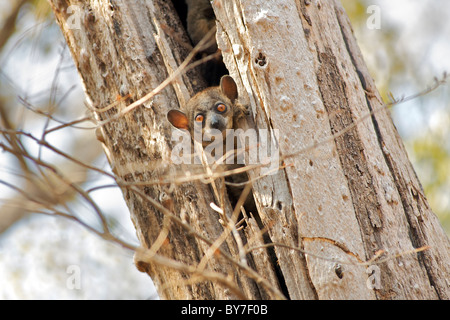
205 103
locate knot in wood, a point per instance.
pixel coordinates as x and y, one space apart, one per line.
261 60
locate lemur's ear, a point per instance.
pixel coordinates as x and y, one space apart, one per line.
228 87
178 119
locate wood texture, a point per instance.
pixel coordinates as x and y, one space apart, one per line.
352 196
131 48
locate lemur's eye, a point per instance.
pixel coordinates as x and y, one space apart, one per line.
199 118
221 108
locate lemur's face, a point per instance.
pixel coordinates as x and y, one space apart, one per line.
210 112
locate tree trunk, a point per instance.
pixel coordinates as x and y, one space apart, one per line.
357 194
346 211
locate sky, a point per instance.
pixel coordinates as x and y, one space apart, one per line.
422 30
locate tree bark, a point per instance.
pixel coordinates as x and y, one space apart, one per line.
358 194
346 189
130 48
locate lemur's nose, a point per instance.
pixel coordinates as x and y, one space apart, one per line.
215 122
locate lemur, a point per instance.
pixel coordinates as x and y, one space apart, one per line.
212 111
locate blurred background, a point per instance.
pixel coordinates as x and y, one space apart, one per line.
404 42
